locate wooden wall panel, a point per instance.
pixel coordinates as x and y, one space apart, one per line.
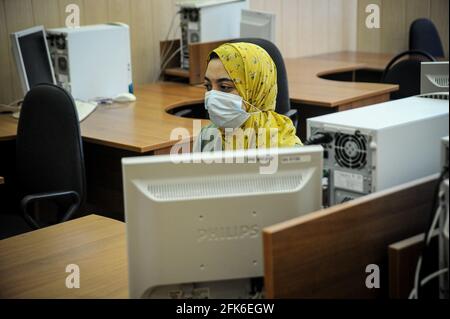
304 27
350 16
281 26
257 5
416 9
19 15
335 25
6 89
368 39
95 11
142 41
46 12
292 24
119 11
393 18
320 27
439 15
306 24
396 18
166 9
62 11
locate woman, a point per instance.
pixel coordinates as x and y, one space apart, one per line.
241 84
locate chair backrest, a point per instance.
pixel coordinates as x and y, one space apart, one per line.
49 147
283 101
405 73
424 36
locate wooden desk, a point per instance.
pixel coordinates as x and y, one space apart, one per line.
33 265
314 95
325 254
116 131
144 127
306 86
371 61
140 127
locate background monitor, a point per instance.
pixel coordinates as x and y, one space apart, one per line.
31 54
434 77
201 220
258 24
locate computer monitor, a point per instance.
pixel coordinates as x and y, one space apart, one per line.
434 77
31 54
258 24
195 220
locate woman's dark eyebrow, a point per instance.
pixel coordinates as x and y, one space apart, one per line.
224 80
206 79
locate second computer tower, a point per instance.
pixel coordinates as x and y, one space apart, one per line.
381 146
92 61
207 21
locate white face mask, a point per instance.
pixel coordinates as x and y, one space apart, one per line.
225 109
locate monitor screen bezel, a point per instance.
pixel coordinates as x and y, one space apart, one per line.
19 58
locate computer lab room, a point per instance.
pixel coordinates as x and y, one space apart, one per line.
224 149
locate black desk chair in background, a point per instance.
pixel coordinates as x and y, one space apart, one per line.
283 102
50 163
423 36
405 72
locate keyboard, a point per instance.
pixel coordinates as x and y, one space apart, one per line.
84 109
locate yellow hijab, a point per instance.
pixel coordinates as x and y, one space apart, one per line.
255 76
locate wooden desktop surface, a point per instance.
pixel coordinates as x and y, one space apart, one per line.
325 254
370 61
145 125
141 127
306 86
33 265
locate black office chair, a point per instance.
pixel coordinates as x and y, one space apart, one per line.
405 73
49 157
423 36
283 105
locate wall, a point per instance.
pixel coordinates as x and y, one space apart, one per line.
396 17
307 27
304 27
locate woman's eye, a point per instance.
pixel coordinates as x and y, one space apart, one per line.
226 88
207 87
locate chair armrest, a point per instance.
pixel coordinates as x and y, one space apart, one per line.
293 115
31 199
183 113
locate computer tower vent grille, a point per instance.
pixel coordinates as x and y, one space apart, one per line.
351 150
435 96
224 186
440 81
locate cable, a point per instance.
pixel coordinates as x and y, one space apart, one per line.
427 242
431 225
319 138
11 107
166 51
168 60
430 228
413 294
164 54
434 275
